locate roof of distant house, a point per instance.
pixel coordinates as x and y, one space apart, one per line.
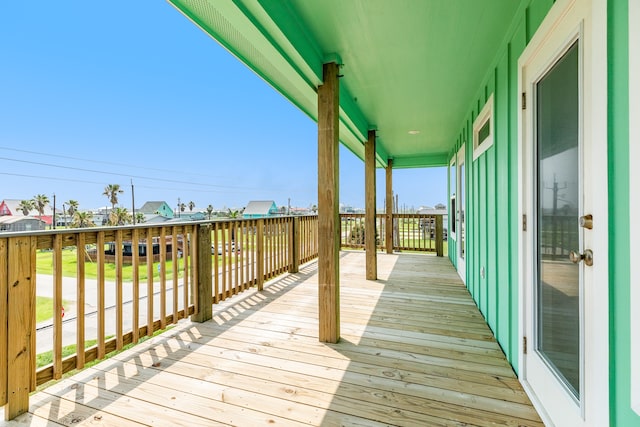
258 207
152 207
12 204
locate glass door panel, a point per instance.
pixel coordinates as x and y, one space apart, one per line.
558 188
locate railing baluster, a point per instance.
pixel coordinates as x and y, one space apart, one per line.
119 317
163 277
175 269
57 306
100 259
80 293
149 254
135 267
186 252
216 266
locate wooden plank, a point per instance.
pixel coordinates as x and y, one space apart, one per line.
80 299
439 236
57 306
328 216
119 299
370 235
135 288
260 255
163 277
176 270
20 325
216 264
203 283
100 260
186 254
150 289
4 318
294 244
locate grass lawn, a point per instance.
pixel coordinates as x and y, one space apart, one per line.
44 308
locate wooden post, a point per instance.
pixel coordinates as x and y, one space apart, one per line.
328 216
439 236
204 289
388 227
80 292
294 245
260 255
4 319
20 292
370 232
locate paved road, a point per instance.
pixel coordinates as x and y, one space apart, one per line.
44 287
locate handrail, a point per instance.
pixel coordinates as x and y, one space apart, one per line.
134 280
411 232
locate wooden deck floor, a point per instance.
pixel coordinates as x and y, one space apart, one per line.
415 351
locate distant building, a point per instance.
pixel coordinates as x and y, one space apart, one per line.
158 207
260 209
11 223
9 207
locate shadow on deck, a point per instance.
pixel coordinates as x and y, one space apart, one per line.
414 351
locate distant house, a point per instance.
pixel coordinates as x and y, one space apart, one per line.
20 223
9 207
159 208
260 209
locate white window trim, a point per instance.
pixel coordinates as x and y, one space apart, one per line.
634 199
486 113
453 164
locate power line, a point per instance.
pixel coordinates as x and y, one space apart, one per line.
123 174
100 161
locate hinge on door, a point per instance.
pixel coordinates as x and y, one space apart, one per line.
524 100
524 345
524 222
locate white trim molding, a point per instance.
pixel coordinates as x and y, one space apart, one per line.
485 117
634 198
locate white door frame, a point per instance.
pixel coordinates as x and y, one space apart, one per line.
557 29
461 231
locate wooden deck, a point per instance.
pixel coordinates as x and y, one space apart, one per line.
414 351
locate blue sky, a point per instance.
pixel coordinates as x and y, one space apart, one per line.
106 92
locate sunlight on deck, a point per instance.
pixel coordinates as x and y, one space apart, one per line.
414 351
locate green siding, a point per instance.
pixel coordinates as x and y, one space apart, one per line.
619 243
492 204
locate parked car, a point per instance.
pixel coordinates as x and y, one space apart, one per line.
219 249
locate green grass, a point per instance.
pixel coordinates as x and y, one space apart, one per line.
44 265
44 308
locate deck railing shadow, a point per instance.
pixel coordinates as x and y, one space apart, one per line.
86 394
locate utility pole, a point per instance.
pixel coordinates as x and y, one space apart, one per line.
133 204
54 211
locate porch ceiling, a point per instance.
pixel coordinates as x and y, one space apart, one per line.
409 65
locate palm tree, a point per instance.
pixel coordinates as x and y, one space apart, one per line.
314 208
39 202
182 207
82 219
73 207
119 216
140 218
26 206
233 214
191 206
209 210
112 191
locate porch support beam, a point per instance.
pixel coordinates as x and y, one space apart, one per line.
328 214
370 206
388 227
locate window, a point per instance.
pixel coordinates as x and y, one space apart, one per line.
483 129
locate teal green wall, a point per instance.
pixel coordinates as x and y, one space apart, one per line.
492 195
619 232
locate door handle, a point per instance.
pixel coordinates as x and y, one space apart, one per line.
587 257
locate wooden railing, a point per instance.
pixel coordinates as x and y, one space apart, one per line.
411 232
191 266
118 285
